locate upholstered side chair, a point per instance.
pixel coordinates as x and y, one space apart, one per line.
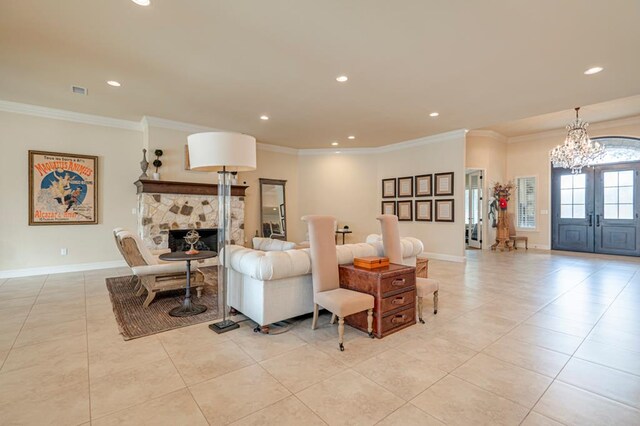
154 276
425 287
327 293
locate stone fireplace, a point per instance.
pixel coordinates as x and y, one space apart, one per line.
165 206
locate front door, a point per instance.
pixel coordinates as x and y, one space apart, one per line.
597 210
572 210
616 213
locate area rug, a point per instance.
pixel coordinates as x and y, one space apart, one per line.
136 321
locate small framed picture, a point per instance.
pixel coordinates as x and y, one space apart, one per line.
405 210
389 188
389 207
423 210
445 210
423 185
444 184
405 186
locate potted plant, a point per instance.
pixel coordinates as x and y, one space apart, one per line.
157 164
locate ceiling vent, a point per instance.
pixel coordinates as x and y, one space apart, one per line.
79 90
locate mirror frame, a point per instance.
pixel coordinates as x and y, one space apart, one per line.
282 183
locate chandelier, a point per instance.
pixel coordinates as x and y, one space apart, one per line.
578 150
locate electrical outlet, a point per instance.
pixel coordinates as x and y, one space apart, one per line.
544 211
64 251
134 211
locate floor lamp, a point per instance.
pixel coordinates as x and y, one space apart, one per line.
222 152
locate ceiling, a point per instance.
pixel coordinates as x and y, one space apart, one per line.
222 64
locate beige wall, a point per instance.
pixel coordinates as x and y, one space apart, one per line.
23 246
529 156
487 151
348 186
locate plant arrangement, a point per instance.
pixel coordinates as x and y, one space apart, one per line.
501 196
157 163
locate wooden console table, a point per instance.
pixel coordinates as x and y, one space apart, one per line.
394 290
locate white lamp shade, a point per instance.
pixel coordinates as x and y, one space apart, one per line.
211 151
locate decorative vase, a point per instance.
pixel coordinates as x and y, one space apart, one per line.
144 165
156 176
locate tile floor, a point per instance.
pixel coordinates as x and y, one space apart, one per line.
531 338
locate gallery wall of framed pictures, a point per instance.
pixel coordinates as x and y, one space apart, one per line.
418 187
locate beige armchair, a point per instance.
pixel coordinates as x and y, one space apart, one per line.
327 293
425 287
512 233
153 275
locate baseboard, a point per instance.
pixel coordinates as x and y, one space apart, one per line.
539 247
27 272
446 257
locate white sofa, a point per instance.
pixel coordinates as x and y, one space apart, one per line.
274 286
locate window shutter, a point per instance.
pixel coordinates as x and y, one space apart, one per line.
526 202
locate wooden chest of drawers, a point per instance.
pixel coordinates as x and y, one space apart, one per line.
394 290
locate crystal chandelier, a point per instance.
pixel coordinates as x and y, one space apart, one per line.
578 150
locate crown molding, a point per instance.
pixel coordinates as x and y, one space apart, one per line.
491 134
593 127
176 125
75 117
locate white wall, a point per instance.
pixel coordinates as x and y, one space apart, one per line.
23 246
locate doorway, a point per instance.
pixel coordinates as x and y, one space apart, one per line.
597 210
473 208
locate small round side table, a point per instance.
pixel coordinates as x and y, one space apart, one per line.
187 308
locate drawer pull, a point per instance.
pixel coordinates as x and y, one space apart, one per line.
398 301
399 282
399 319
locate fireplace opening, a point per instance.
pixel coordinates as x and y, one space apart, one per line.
208 240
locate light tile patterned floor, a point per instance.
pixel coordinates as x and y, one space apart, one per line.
532 338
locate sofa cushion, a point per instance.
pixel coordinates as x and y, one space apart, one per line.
411 247
269 265
270 244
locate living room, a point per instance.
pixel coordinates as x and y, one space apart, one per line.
371 119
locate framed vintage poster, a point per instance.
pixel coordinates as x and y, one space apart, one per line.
389 188
389 207
423 185
63 189
444 183
423 210
405 186
405 210
445 210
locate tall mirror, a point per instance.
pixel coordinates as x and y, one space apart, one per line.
273 211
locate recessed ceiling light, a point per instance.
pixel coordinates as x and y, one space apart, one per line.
337 152
351 137
593 70
142 2
342 78
114 83
264 117
434 114
334 144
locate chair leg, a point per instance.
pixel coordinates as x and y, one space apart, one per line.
370 323
140 290
435 302
420 310
314 323
150 296
341 333
333 319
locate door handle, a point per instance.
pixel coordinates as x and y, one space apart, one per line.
597 220
590 219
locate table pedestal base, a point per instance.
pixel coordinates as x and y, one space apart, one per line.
224 326
187 309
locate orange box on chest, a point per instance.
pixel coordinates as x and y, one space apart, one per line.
371 262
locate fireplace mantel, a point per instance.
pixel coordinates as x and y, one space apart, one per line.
190 188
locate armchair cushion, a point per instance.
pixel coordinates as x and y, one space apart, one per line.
426 286
162 269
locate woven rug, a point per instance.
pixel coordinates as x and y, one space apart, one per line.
136 321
